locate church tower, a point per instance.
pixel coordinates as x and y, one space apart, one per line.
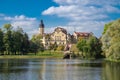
41 28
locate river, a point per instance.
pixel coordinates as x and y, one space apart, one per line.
58 69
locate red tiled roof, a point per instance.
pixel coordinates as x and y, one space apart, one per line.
83 34
61 29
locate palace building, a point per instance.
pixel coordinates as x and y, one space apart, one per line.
60 36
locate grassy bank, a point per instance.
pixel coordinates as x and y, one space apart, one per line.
112 60
45 54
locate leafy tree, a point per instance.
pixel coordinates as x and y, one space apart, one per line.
53 46
94 45
90 48
8 38
17 39
74 48
81 44
110 41
1 42
36 44
33 47
8 27
25 44
60 48
106 27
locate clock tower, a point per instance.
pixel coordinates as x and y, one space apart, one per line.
41 28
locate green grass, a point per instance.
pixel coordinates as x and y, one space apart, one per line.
45 54
112 60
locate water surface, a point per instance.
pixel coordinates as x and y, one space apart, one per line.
58 69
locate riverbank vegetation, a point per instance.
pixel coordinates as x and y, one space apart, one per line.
111 40
45 54
16 42
90 48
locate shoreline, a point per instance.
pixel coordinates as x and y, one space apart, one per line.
27 57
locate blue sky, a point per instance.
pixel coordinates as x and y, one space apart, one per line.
78 15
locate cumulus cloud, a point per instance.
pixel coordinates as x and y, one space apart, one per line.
1 14
85 15
28 24
19 18
86 2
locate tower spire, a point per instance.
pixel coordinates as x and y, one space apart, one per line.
41 24
41 27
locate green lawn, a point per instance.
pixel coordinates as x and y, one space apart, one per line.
45 54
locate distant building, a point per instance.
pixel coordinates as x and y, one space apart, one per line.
41 28
60 36
81 35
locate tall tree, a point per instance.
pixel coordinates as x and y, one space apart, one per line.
25 44
1 42
8 38
17 39
110 41
36 44
90 48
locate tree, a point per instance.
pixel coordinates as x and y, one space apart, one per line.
110 41
33 47
25 44
36 44
60 48
53 46
81 44
74 48
8 38
106 27
17 39
1 42
94 45
8 27
90 48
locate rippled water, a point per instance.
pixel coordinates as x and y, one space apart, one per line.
58 69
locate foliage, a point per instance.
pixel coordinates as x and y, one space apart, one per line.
47 36
110 41
16 41
35 44
106 27
74 48
53 46
36 37
60 48
90 48
7 39
1 41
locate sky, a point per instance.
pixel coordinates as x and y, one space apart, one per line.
73 15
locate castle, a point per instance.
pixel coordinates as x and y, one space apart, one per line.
60 36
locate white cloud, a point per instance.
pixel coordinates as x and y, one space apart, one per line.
85 15
19 18
86 2
28 24
1 15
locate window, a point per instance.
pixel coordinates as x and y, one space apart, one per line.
58 38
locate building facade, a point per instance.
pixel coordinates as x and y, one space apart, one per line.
41 28
60 36
81 35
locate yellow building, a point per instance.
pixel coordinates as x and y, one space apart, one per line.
41 28
59 36
81 35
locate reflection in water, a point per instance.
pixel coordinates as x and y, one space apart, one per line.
71 70
58 69
9 68
111 71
